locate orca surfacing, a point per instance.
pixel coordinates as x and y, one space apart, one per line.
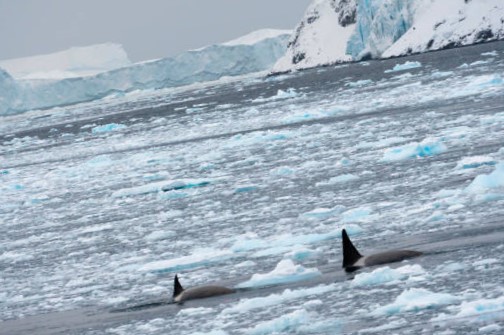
180 294
353 260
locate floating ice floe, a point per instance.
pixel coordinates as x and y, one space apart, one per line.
159 235
357 215
385 275
442 74
281 94
285 243
426 148
405 66
490 53
195 311
416 299
474 162
481 62
107 128
285 272
381 143
285 323
344 178
485 182
359 83
323 213
246 305
200 257
163 186
492 119
476 308
493 328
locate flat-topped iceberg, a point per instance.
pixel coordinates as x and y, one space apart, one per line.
245 55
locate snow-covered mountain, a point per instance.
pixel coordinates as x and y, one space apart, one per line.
255 52
335 31
74 62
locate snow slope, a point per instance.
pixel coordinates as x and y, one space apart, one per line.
321 37
253 53
71 63
334 31
440 26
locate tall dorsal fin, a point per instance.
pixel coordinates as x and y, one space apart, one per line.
350 252
177 288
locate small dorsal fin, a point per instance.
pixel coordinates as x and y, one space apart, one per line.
350 252
177 288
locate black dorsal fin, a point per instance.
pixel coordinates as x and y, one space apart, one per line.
350 252
177 288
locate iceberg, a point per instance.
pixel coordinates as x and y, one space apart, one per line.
245 55
71 63
336 31
9 90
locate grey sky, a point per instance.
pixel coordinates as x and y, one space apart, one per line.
146 28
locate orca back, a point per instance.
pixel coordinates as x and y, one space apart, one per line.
350 253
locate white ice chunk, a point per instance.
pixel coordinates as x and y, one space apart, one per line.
428 147
386 275
199 257
359 83
481 306
249 304
281 94
416 299
285 323
493 328
475 162
405 66
285 272
107 127
485 182
343 178
195 311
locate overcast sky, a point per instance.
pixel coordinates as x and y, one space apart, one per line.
147 29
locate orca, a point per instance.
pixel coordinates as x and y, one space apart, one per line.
353 260
180 294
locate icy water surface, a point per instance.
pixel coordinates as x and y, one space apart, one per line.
247 183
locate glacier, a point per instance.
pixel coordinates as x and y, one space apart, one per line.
336 31
254 53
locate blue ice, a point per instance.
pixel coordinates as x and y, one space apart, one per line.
405 66
426 148
414 300
486 182
107 127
